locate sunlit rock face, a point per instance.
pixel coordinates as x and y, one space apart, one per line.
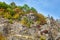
2 24
31 16
17 31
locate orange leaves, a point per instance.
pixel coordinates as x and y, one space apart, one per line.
41 18
2 37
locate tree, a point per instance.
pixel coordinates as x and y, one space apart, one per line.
11 12
20 7
52 18
33 10
8 9
41 18
26 8
13 5
3 5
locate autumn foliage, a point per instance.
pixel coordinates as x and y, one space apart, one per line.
14 12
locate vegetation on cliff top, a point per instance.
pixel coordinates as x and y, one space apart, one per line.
14 12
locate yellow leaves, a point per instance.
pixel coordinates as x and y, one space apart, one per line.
16 16
28 25
6 15
2 38
37 22
41 18
23 22
42 37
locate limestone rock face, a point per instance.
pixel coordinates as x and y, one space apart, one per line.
17 31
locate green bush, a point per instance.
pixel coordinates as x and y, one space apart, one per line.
11 21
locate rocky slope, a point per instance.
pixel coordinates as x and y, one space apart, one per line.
17 31
25 23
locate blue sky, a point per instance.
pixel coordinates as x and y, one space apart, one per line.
51 7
